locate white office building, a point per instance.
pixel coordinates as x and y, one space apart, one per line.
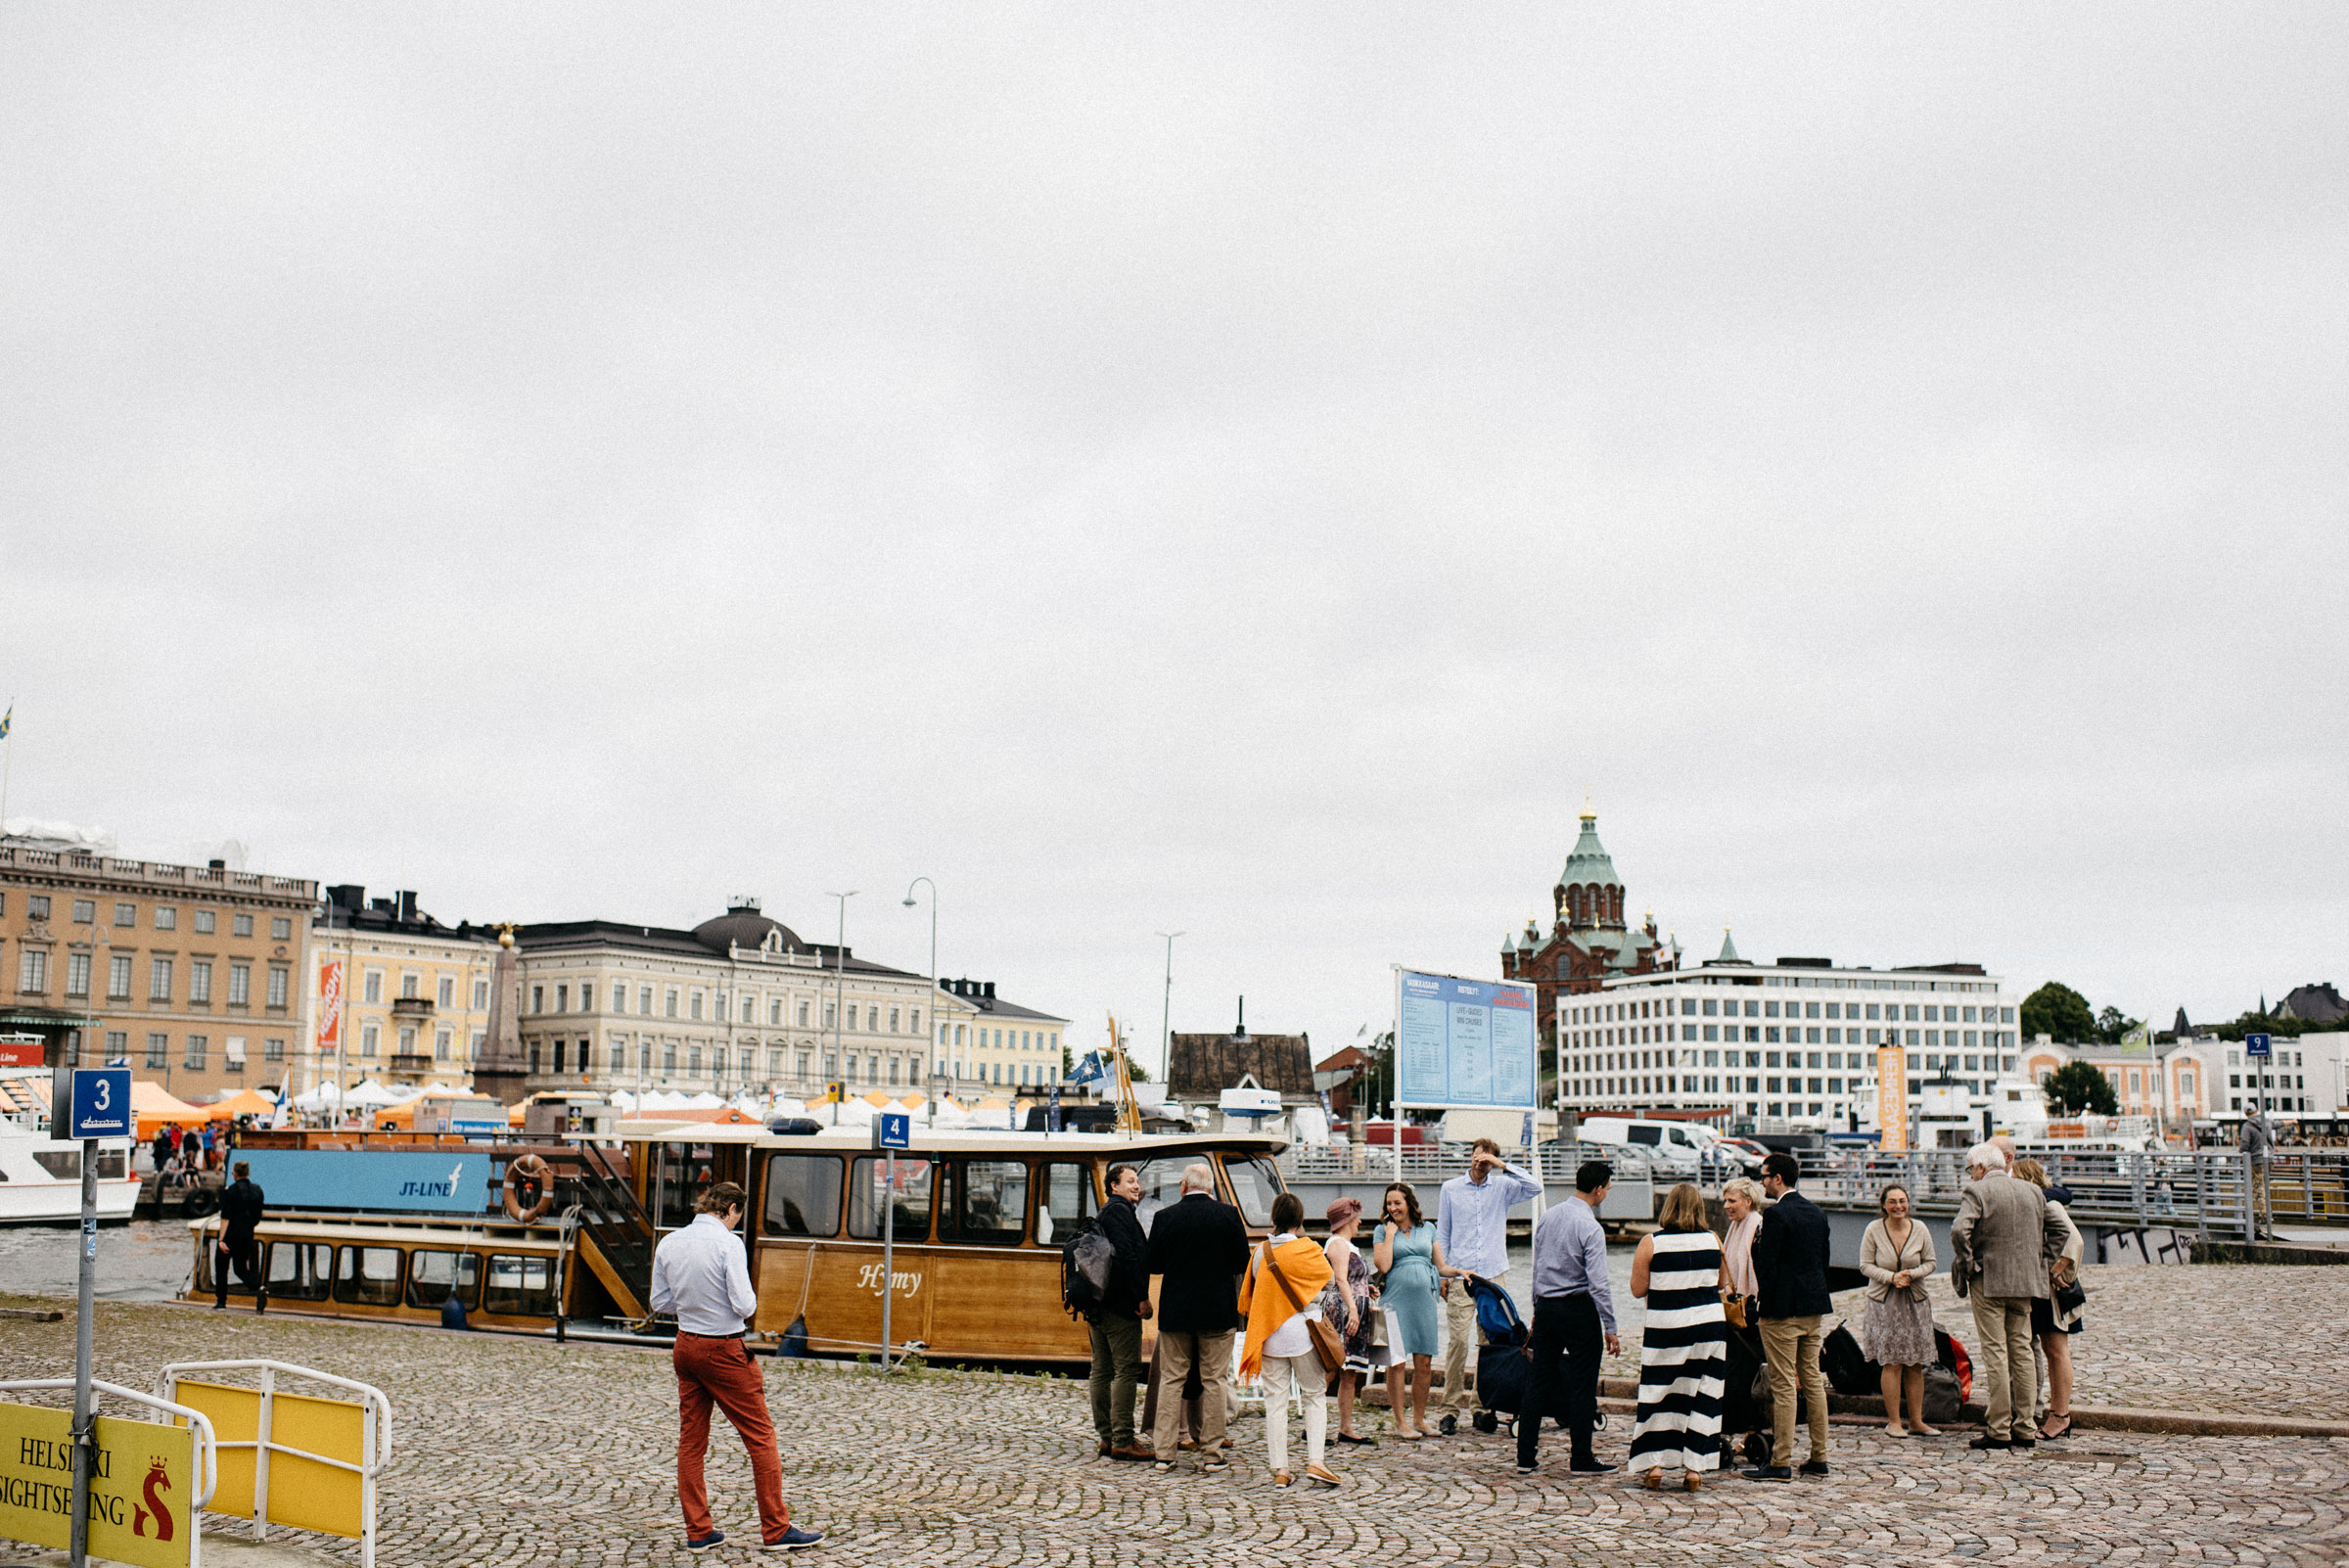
1790 1043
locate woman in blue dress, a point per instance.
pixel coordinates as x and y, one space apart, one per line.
1410 1256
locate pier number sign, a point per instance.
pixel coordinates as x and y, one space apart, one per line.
892 1130
2257 1045
101 1103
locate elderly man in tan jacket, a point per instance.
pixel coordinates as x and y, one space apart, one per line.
2001 1244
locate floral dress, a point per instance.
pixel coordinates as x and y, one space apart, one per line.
1357 1277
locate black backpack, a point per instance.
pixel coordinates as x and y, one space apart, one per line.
1847 1365
1086 1259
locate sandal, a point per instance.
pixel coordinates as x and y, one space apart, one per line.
2064 1432
1359 1441
1691 1481
1282 1478
1922 1430
1653 1481
1896 1431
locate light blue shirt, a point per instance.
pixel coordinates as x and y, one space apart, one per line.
702 1275
1472 1221
1569 1258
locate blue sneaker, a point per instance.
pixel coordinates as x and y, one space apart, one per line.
715 1538
793 1538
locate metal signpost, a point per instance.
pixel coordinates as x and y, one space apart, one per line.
892 1131
2261 1051
101 1109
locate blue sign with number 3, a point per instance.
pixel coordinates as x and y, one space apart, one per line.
101 1103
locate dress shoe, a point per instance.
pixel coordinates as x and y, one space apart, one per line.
1768 1472
1989 1443
1814 1467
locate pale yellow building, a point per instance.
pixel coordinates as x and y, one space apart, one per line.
394 994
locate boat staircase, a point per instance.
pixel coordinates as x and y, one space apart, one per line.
614 1235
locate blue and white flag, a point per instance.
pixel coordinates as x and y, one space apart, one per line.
1088 1071
5 719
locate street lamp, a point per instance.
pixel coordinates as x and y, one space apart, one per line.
930 1075
1166 1015
840 968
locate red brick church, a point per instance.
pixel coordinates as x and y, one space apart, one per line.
1589 942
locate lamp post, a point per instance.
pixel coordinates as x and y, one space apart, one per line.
930 1075
840 967
1165 1013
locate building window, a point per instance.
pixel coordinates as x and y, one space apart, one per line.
158 1052
85 911
481 995
166 918
158 980
830 1013
117 1047
77 973
537 998
669 1057
240 925
644 1000
670 1002
118 977
802 1015
126 915
696 1006
198 1046
562 998
587 999
199 982
277 986
370 990
240 985
407 1041
281 928
367 1041
804 1064
273 1050
693 1061
619 1054
445 994
205 923
620 996
33 971
442 1043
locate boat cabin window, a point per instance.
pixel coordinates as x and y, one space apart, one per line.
300 1270
524 1287
988 1202
866 1177
1064 1200
686 1171
367 1276
113 1164
802 1195
208 1256
1162 1184
433 1276
1255 1183
62 1164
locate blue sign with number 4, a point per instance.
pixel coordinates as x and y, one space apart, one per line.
897 1130
101 1103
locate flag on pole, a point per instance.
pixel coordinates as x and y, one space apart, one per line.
5 719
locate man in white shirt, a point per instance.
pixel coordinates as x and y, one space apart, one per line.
702 1275
1472 1221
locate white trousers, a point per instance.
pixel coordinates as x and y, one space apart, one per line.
1304 1373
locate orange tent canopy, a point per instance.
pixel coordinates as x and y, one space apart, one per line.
154 1106
246 1102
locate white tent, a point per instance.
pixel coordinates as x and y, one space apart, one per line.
367 1091
703 1102
324 1097
950 1116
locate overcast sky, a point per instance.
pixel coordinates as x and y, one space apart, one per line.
1245 471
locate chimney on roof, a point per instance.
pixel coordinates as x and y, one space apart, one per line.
215 865
348 896
408 904
1239 1030
989 991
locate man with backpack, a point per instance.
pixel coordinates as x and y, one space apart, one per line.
1116 1316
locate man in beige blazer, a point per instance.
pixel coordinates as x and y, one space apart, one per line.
2001 1244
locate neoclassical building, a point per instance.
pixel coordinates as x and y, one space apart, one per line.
1591 941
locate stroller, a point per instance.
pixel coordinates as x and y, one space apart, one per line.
1505 1371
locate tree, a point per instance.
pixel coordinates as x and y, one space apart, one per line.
2075 1087
2058 1012
2113 1026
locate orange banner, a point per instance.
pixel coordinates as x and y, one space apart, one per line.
330 1005
1892 1099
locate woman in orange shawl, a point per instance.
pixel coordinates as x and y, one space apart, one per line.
1283 1280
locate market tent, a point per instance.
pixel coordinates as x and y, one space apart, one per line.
154 1105
367 1091
245 1102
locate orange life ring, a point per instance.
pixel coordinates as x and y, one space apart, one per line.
528 1167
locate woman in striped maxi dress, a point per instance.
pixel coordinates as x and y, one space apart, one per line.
1679 1273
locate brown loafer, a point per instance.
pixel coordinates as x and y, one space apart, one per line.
1136 1453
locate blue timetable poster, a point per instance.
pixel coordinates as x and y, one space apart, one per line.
1464 1042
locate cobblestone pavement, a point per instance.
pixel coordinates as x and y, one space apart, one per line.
511 1451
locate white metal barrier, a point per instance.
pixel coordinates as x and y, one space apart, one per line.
375 1437
200 1425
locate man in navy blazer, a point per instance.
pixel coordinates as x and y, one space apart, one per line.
1791 1280
1200 1245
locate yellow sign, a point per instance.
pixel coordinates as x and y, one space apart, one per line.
303 1492
141 1487
1892 1100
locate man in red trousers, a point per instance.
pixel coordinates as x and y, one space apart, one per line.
703 1275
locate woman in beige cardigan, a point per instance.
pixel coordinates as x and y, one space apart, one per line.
1896 1255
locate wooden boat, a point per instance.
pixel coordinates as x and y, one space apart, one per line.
978 1218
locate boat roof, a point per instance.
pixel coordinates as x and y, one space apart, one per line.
954 1140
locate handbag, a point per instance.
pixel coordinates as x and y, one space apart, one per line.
2070 1295
1732 1307
1329 1346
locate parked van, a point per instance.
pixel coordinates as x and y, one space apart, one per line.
1672 1146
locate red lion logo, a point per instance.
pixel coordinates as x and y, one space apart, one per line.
156 1482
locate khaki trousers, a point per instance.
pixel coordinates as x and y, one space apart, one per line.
1461 1341
2009 1376
1792 1346
1175 1354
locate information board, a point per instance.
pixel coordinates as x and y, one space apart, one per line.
140 1485
1466 1042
